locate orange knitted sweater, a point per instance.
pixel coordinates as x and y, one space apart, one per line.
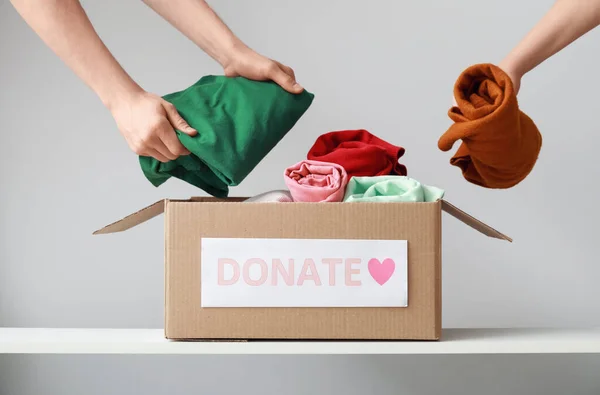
500 144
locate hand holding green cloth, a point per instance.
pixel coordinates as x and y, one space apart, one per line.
239 121
390 189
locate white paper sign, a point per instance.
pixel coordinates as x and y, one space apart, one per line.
303 273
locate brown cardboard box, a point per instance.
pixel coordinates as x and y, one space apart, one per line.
188 222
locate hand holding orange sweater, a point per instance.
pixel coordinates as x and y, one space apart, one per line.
500 144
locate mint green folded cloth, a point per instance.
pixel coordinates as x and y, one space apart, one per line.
390 189
239 121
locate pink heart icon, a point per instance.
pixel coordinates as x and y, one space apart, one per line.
381 271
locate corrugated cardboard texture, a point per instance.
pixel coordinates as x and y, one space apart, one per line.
134 219
187 222
473 222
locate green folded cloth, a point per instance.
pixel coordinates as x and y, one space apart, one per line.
390 189
239 121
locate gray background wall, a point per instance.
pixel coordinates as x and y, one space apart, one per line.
388 67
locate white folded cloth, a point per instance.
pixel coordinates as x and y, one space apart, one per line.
279 195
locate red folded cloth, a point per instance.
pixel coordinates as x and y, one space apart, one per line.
359 152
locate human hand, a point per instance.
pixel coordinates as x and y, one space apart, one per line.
147 122
244 62
515 76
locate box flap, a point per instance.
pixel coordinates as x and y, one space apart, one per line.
134 219
473 222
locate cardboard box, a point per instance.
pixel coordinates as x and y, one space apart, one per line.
291 302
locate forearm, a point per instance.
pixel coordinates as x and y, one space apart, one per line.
564 23
64 26
198 22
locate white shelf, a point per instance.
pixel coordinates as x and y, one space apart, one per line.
152 341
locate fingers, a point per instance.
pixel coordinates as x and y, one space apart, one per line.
169 140
158 151
148 124
177 121
160 142
287 80
288 70
157 155
159 146
147 149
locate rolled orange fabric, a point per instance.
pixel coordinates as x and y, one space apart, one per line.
500 144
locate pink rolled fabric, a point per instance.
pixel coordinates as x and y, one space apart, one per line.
316 181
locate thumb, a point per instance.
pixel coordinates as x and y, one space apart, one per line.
285 80
176 121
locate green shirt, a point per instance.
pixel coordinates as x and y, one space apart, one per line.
239 121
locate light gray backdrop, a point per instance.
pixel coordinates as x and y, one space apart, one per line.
388 67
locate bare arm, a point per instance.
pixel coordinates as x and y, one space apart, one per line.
198 22
145 120
565 22
66 29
